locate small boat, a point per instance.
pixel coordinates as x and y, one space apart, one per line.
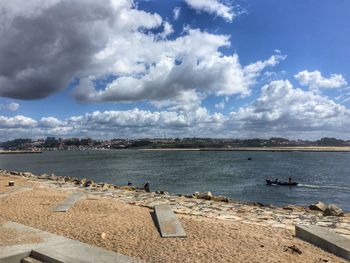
270 182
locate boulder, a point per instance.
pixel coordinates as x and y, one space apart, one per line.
220 198
14 173
126 187
333 210
44 176
319 206
53 177
205 196
27 174
294 208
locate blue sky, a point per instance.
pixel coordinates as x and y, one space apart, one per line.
133 69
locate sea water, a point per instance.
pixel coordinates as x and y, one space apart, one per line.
323 176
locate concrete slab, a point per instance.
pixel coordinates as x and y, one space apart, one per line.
324 239
54 248
169 225
68 203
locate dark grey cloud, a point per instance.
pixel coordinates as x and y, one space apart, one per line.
44 47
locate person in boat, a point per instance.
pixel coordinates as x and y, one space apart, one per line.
290 180
276 180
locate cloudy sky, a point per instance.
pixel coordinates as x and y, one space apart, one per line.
175 68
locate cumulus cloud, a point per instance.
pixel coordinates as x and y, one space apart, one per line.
315 81
18 121
45 44
110 124
12 106
213 7
176 12
281 108
90 41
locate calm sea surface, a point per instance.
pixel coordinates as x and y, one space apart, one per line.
322 176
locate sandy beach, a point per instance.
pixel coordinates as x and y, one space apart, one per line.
130 230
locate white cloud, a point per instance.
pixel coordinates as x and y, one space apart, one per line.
12 106
189 63
17 121
213 7
100 39
168 30
282 109
315 81
176 12
50 122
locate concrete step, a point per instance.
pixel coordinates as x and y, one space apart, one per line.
30 260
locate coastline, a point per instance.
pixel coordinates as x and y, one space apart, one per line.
227 218
260 149
18 152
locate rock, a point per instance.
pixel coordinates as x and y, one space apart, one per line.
14 173
76 181
67 178
27 174
126 187
43 176
83 181
294 208
205 196
189 196
53 177
106 186
319 206
220 198
333 210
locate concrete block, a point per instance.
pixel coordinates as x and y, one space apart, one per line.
68 203
57 249
169 225
325 239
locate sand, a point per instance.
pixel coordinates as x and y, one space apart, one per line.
130 230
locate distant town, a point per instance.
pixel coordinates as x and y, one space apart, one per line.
53 143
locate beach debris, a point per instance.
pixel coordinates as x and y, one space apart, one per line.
333 210
319 206
103 235
11 183
293 249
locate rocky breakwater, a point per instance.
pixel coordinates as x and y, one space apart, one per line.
206 204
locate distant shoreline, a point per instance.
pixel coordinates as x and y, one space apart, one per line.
19 152
261 149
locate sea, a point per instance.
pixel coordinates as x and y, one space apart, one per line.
322 176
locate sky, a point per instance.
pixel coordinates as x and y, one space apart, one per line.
174 68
